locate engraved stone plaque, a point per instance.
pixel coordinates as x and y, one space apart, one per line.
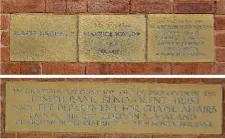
43 37
180 38
112 38
106 107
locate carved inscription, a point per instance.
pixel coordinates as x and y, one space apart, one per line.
180 38
112 38
113 107
43 37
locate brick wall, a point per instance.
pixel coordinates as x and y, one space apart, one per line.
55 135
216 7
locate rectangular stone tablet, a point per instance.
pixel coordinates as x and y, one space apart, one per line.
112 38
103 107
43 37
180 38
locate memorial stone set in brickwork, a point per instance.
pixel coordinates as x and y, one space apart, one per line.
112 38
87 37
110 107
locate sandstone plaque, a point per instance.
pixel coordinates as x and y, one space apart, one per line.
43 37
104 107
112 38
180 38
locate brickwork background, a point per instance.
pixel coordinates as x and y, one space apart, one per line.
56 135
216 7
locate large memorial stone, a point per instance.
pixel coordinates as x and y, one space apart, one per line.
112 38
104 107
180 38
43 37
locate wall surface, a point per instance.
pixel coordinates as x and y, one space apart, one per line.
55 134
125 7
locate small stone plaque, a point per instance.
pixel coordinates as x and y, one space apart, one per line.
43 37
112 38
180 38
104 107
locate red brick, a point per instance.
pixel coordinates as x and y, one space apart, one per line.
4 22
224 124
154 68
74 68
213 81
77 6
5 38
42 79
188 80
3 123
202 68
182 68
1 126
30 68
38 135
4 54
56 6
95 68
218 68
2 89
191 68
9 135
220 7
27 6
193 6
220 39
193 0
108 6
151 6
2 107
10 68
90 79
220 22
1 85
178 80
5 8
224 101
166 80
118 69
135 80
53 68
220 54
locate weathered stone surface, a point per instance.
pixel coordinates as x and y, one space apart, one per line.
180 38
112 38
104 107
43 37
